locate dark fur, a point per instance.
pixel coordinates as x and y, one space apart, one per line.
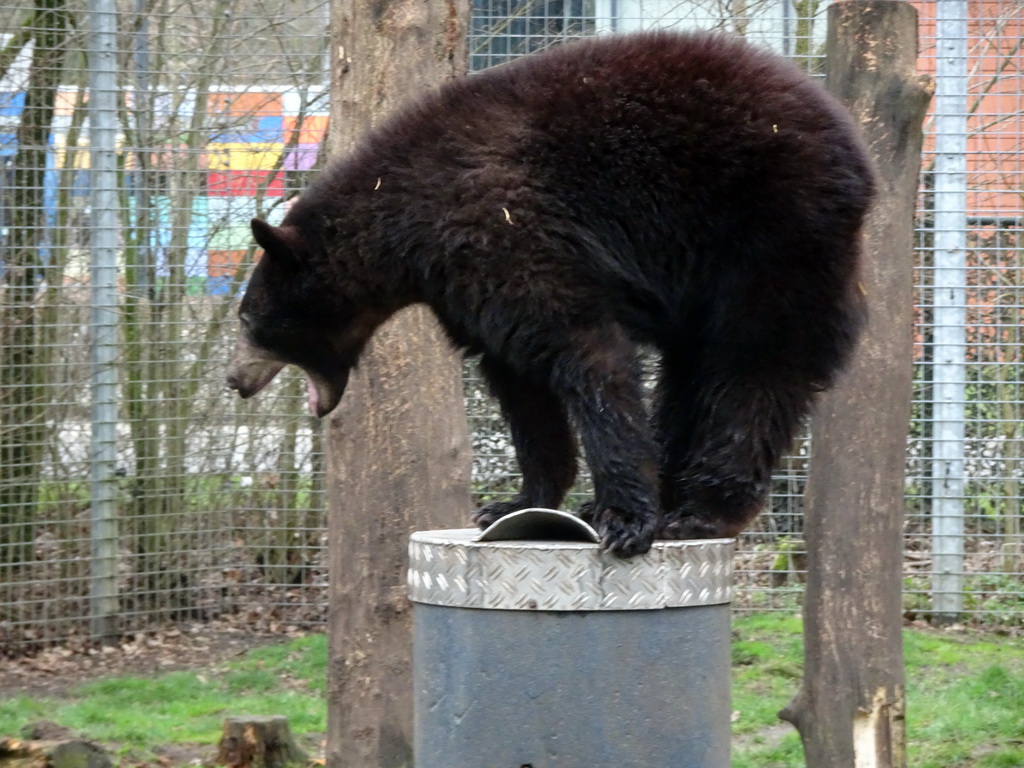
688 192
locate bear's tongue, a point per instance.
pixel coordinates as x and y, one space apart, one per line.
313 396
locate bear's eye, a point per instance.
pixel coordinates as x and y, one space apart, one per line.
245 318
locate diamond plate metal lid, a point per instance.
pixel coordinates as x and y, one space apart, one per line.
455 568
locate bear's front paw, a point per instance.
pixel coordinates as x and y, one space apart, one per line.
496 510
622 533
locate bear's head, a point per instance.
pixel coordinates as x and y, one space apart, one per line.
289 316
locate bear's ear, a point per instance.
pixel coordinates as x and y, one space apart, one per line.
280 243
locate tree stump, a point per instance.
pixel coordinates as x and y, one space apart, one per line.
73 753
258 742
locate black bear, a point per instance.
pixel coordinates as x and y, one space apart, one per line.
688 193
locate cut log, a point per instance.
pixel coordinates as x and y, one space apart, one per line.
258 742
73 753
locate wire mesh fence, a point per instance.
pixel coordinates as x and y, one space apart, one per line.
217 113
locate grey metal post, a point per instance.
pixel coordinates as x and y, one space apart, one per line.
103 351
552 653
950 310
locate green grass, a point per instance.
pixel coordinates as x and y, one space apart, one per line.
968 709
965 698
767 656
140 713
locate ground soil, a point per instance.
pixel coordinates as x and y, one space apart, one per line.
54 672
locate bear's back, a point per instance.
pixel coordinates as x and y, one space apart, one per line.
704 105
616 77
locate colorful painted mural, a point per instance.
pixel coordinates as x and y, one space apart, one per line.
245 160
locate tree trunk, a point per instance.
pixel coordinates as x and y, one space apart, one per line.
398 445
850 710
22 411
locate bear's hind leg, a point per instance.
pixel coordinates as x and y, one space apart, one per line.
776 331
721 436
544 444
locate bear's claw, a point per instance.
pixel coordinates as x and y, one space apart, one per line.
623 534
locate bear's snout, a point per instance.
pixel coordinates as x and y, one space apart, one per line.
251 368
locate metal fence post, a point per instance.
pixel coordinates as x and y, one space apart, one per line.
950 308
102 65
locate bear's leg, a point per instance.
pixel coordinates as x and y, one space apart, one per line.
599 381
721 434
674 419
545 446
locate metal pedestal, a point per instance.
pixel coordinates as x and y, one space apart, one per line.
552 653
